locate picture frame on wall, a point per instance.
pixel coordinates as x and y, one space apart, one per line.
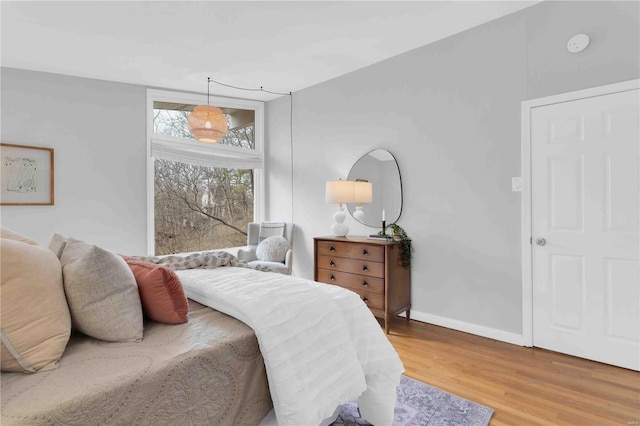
26 175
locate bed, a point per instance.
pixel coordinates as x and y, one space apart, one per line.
255 341
206 371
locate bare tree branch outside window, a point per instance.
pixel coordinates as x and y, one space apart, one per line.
200 208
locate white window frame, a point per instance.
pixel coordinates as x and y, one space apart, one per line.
193 146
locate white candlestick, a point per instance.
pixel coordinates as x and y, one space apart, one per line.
383 215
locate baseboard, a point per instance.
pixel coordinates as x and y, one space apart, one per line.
467 327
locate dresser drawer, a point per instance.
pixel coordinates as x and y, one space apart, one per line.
353 266
352 281
370 268
370 252
372 300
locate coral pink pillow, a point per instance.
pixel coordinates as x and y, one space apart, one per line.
161 292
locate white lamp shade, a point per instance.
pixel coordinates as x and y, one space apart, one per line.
340 191
363 192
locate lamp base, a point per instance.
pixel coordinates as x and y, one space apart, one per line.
339 228
359 214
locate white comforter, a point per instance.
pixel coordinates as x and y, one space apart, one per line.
321 345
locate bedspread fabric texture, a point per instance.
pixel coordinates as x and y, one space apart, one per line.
208 371
321 345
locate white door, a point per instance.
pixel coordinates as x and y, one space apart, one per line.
585 220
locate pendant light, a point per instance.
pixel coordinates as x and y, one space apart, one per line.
207 123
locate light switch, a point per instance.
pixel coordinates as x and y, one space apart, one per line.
516 184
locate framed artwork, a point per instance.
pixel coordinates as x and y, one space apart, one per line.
26 177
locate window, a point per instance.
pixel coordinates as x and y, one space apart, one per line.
202 195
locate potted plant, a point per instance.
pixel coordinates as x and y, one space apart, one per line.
399 235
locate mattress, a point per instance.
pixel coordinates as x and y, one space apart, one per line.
207 371
321 344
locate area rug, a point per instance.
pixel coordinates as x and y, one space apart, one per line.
419 404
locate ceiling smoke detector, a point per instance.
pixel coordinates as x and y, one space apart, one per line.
578 43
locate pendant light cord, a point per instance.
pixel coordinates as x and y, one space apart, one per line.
291 152
208 86
262 89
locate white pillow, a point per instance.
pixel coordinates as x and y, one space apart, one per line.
273 249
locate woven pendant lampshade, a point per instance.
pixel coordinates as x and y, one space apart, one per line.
207 123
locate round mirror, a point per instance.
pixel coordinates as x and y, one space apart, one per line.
380 168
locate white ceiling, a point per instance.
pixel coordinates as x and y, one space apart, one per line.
281 46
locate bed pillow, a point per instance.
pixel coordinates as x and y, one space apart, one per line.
12 235
57 244
161 292
273 249
101 292
36 324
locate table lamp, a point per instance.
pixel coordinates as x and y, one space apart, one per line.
363 190
340 192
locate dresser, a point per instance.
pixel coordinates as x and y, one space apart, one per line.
371 268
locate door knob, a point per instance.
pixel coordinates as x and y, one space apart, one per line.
541 241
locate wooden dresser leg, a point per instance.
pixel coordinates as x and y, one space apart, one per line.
409 314
386 324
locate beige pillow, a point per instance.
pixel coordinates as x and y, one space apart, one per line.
12 235
35 318
102 293
57 244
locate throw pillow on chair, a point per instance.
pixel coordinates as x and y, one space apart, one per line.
273 249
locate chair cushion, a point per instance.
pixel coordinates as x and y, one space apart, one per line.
271 229
161 292
36 324
278 267
102 293
273 249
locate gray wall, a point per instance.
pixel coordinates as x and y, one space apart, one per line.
450 113
98 132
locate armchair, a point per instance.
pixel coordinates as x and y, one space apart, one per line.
248 253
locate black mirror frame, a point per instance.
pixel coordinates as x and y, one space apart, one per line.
350 208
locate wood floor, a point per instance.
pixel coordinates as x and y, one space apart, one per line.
524 386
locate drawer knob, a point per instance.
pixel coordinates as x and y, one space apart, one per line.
364 252
365 284
332 249
332 278
364 268
365 300
332 263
